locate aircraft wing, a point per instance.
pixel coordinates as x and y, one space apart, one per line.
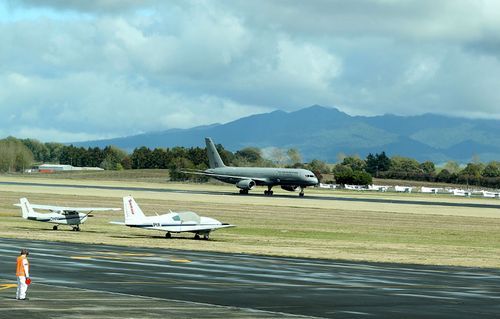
259 179
72 209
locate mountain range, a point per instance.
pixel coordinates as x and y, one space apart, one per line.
324 132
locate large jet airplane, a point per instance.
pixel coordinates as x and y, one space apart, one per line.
246 178
173 222
71 216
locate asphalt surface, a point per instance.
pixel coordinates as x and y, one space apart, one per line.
307 196
79 278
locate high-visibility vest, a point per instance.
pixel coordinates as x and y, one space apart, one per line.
20 266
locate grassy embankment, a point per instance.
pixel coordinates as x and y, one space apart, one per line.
382 232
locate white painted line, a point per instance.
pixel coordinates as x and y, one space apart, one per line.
426 296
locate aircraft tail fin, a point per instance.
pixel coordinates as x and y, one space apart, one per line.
213 156
132 211
26 209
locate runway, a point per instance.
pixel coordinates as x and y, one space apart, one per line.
178 283
292 197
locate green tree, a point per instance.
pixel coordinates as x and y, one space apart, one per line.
405 168
141 157
444 176
428 167
113 156
492 169
177 166
126 162
340 169
471 174
39 150
54 152
452 167
14 155
319 166
355 163
198 156
377 163
294 156
353 178
249 155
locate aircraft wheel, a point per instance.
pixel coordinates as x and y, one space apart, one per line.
168 235
271 192
54 227
244 191
266 192
301 194
76 228
206 237
196 236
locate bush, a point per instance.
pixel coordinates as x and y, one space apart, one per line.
354 178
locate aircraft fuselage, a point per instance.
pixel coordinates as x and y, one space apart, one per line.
60 219
268 176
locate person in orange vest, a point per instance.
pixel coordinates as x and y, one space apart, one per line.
22 273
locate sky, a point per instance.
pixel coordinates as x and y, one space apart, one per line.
75 70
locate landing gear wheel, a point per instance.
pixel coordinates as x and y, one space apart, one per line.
206 236
168 235
244 191
54 227
76 228
268 192
301 194
196 236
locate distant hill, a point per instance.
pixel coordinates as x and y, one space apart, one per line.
321 132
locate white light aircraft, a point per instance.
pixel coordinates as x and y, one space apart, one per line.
173 222
71 216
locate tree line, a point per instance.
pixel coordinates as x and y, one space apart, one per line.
381 166
19 154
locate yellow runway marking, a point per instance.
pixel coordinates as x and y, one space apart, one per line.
7 286
180 260
125 254
138 254
95 257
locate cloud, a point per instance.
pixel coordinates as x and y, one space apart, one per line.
95 6
112 68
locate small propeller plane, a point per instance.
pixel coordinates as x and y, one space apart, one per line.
173 222
71 216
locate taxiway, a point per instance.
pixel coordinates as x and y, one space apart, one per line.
70 277
293 197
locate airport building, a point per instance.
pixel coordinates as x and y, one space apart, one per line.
51 168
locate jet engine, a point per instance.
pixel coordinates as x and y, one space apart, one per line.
290 188
246 184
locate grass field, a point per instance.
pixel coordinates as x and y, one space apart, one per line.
381 232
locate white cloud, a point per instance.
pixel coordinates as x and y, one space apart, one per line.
110 68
